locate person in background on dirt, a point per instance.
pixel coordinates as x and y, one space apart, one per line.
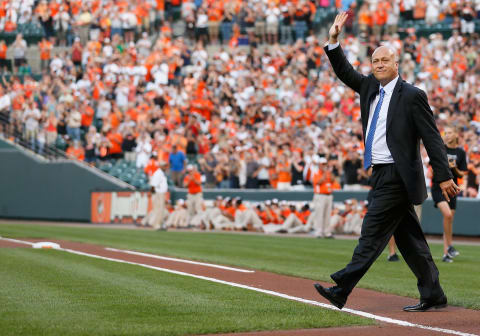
322 199
306 217
392 254
178 218
246 218
193 181
159 187
220 217
457 160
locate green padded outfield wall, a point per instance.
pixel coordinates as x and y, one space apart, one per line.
35 189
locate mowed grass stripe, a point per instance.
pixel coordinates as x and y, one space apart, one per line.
308 258
48 292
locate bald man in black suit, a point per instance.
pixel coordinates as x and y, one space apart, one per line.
395 117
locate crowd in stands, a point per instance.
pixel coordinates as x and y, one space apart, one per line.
267 114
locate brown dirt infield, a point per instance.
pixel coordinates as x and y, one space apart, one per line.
386 305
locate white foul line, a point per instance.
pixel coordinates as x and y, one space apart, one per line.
180 260
266 291
18 241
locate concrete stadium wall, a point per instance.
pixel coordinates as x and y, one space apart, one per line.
31 188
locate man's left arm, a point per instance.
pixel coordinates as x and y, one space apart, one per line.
425 125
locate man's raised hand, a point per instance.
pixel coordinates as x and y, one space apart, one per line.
336 27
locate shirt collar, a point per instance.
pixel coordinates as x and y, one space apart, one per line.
390 86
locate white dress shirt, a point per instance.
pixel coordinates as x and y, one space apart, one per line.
159 182
380 152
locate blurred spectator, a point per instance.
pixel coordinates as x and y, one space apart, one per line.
143 150
467 16
5 64
177 162
45 47
76 151
128 146
19 48
352 169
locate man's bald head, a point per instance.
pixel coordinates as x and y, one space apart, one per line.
385 64
388 50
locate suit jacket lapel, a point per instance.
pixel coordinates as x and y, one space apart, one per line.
394 101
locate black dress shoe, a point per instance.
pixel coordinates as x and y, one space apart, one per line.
333 294
424 306
393 257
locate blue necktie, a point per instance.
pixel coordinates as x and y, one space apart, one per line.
367 157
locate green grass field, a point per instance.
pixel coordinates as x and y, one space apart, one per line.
49 292
308 258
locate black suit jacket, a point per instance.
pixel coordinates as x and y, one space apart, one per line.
409 119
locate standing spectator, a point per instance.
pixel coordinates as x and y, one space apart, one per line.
90 152
61 24
207 169
177 163
272 17
115 139
297 171
128 145
144 45
252 171
45 47
260 22
82 23
51 129
234 167
44 14
19 49
227 24
284 173
392 17
87 115
73 124
420 10
31 118
467 19
263 175
193 181
473 177
201 26
214 18
433 12
143 150
77 51
5 64
286 24
351 168
76 151
408 9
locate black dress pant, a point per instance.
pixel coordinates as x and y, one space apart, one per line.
391 213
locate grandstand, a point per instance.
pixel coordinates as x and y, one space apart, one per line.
205 76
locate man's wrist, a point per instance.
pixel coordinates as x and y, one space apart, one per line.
332 40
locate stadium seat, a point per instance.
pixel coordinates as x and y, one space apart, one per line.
126 177
60 143
106 167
